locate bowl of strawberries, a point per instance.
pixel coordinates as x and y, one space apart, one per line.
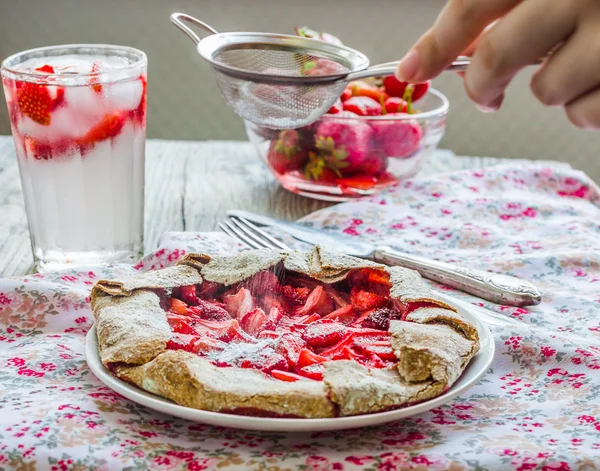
378 132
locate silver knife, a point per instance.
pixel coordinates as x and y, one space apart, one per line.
500 289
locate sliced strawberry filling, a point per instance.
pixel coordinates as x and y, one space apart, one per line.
287 325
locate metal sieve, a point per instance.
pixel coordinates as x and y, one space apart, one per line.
281 81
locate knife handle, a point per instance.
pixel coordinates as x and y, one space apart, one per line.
500 289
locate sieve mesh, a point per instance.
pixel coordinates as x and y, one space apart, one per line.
275 80
278 105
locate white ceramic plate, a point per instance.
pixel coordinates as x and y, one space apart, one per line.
474 372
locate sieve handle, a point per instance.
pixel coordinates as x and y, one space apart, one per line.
389 68
178 18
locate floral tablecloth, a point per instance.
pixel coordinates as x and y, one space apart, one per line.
538 408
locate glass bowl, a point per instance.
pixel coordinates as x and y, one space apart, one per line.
345 156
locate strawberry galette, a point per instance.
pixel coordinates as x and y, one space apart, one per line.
299 334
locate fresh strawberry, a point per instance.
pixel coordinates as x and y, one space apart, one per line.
254 321
340 299
181 342
210 311
47 69
337 351
96 69
179 307
381 277
240 303
415 92
362 337
39 150
35 102
359 182
380 318
346 94
344 315
394 87
366 276
306 32
307 358
233 332
58 98
314 371
221 330
140 112
317 302
318 169
363 106
374 166
275 315
395 105
268 334
109 127
365 301
299 323
349 354
296 295
265 361
278 302
286 376
397 138
360 319
374 361
181 324
336 107
188 295
290 346
301 281
208 290
364 89
285 153
207 345
309 319
383 349
323 333
264 282
344 144
319 67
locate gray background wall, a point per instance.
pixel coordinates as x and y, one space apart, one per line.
184 102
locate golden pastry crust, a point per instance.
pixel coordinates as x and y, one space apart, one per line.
194 382
433 347
409 287
171 277
430 352
359 390
230 270
131 329
431 315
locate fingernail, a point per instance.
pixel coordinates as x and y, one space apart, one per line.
493 106
486 109
408 66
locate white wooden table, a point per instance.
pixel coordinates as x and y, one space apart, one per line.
189 187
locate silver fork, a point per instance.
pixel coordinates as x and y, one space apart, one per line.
254 237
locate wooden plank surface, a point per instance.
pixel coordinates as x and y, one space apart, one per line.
189 187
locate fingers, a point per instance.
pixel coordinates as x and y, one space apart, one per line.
584 112
514 43
459 24
574 69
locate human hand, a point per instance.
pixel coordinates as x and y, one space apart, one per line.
506 35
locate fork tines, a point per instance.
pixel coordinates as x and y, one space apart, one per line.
250 234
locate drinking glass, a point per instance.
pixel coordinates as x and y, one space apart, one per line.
78 118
